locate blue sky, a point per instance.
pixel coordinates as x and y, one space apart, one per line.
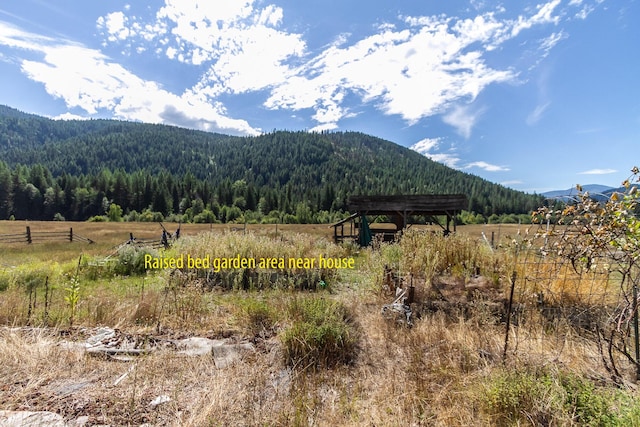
535 95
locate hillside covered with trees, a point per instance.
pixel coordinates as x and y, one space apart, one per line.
81 169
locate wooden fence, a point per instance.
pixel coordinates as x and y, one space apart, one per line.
30 236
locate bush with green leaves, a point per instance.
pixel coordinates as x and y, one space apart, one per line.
131 260
602 235
522 397
258 316
322 334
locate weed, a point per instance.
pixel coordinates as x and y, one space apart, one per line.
522 397
547 398
258 316
72 296
322 334
5 280
131 260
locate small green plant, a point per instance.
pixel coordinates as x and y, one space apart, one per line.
72 296
5 280
322 334
72 293
515 398
590 406
544 398
258 315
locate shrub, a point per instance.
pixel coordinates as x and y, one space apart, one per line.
544 399
115 213
515 398
131 260
205 217
132 216
590 406
150 216
257 315
5 280
322 334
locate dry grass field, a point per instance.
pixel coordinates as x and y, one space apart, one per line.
108 235
318 349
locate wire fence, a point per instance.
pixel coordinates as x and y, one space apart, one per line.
573 310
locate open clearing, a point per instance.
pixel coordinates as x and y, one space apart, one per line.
99 342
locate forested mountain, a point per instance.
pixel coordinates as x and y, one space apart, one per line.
77 169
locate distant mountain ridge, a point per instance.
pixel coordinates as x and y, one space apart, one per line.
566 195
6 111
317 169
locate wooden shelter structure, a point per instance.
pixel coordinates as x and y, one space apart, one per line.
400 209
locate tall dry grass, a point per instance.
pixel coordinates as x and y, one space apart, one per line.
448 369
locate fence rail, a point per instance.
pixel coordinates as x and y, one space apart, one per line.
30 236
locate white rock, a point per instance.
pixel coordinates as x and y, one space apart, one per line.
31 419
196 346
102 334
160 400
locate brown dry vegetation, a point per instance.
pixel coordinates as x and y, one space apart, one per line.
445 370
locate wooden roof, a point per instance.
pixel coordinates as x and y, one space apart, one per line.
420 204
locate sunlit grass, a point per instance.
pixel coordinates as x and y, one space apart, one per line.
324 354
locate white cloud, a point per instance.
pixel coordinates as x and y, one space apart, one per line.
237 41
551 41
85 78
116 25
411 74
426 147
585 11
598 172
449 159
69 116
486 166
543 16
429 147
463 118
324 127
537 113
415 68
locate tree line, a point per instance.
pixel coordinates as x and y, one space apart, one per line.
78 169
32 192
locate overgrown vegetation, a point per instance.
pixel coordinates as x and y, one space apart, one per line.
544 398
324 354
322 334
605 235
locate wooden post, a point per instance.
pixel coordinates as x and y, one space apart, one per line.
506 335
71 234
28 234
412 292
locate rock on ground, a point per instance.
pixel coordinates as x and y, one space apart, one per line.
31 419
